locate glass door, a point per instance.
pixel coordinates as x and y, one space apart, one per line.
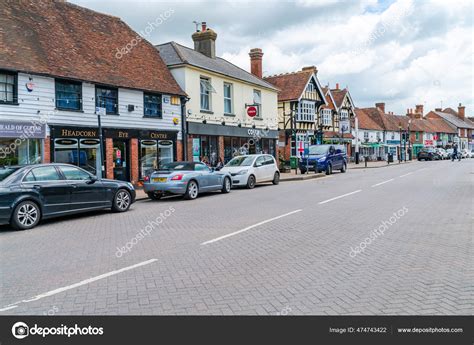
121 164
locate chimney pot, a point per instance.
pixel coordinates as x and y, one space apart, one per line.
337 86
419 109
205 41
256 67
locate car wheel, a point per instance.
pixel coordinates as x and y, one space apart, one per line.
192 190
329 169
122 201
154 195
344 168
26 215
276 178
251 182
303 171
227 185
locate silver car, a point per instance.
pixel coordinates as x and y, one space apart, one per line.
187 179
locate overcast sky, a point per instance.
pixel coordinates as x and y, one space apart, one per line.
398 52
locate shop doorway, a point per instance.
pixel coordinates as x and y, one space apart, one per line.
121 160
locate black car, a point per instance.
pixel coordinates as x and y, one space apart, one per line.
34 192
428 154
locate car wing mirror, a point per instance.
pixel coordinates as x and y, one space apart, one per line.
92 179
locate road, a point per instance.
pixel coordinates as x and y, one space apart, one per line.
290 249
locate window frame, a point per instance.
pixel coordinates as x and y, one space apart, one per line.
60 168
160 107
32 171
14 101
77 83
105 87
230 98
207 93
257 104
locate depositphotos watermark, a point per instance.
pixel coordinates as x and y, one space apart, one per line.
146 231
379 231
143 34
21 330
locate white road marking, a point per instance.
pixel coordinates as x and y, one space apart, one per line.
383 182
406 174
83 282
8 308
250 227
340 196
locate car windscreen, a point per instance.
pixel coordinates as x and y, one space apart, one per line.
177 166
6 171
241 161
318 149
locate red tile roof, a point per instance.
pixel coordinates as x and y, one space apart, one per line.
291 85
327 95
339 96
57 38
365 121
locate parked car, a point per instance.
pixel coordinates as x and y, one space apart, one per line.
187 179
472 153
249 170
465 153
31 193
324 158
442 152
428 154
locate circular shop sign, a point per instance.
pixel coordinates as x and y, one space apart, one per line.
252 111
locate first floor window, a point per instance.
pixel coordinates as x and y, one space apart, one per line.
326 117
152 105
205 90
366 136
227 98
257 101
68 95
8 87
107 98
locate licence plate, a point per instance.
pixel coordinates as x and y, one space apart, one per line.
159 179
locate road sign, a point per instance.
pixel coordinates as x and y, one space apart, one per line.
100 111
252 111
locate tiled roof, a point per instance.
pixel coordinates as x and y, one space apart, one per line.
291 85
332 134
58 38
455 120
365 121
339 96
177 54
327 95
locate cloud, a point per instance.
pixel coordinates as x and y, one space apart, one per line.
402 52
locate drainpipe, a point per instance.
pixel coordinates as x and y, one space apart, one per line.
184 136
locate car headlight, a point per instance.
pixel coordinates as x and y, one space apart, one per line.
130 186
322 159
242 172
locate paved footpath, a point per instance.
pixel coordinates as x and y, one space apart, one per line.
326 246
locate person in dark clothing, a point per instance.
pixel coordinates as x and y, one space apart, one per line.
455 153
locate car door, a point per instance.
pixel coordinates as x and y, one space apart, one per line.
53 191
86 193
259 169
215 179
202 176
269 168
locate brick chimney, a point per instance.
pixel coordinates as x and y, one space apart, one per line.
438 109
310 68
205 41
419 109
337 86
256 68
381 106
461 111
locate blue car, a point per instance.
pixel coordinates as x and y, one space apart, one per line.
325 158
187 179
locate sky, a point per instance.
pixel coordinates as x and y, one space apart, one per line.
401 52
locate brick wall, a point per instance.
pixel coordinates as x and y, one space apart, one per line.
179 150
220 146
134 161
47 150
109 158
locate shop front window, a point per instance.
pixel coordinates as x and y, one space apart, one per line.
84 153
209 153
148 157
14 151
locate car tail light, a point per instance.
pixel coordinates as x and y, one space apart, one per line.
178 177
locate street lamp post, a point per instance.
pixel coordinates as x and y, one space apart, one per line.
400 154
100 111
409 141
